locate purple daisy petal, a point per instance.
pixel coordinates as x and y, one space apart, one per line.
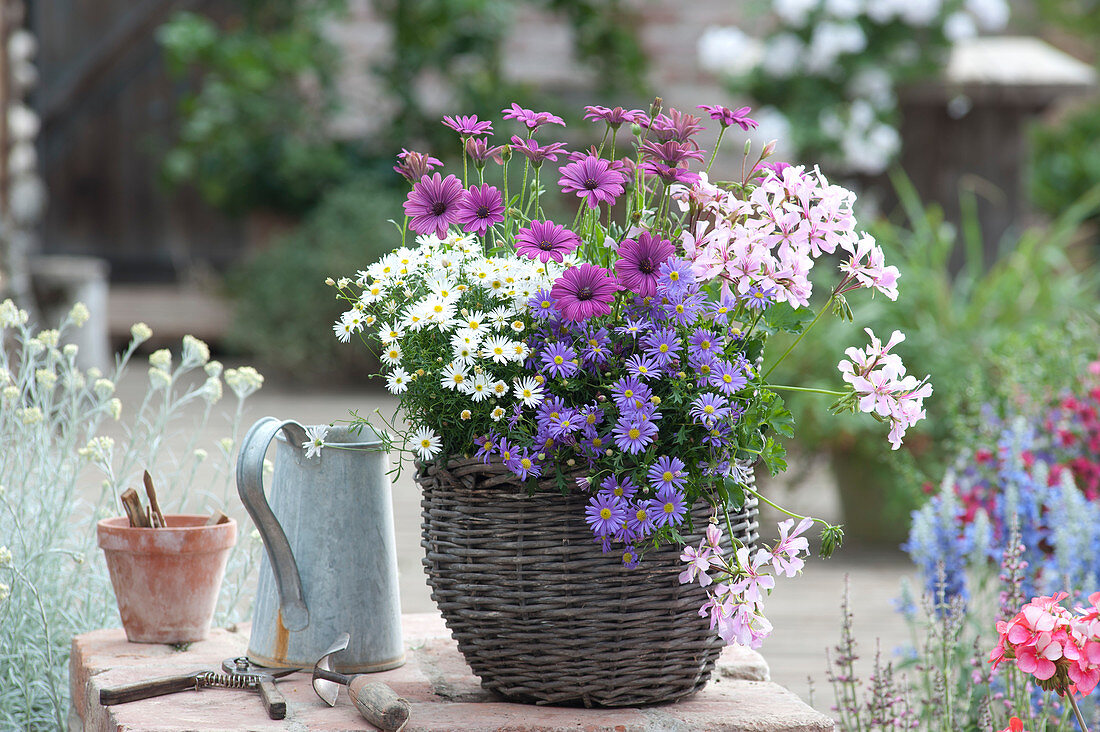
468 125
433 204
584 292
613 117
414 166
640 260
727 117
533 120
480 207
536 153
545 240
593 179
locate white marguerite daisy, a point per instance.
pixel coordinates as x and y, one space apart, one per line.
454 377
426 443
390 332
517 326
499 317
397 381
316 439
497 348
497 414
391 355
520 351
499 389
478 388
342 330
529 392
465 414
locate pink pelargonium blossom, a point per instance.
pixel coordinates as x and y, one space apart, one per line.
786 554
753 583
698 562
867 268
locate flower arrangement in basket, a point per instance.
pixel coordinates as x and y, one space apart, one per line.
620 356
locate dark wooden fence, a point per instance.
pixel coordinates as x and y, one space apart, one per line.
107 107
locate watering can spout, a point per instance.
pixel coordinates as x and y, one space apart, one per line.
250 465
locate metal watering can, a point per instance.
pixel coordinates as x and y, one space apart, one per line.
330 562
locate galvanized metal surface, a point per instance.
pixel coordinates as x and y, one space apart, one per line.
330 564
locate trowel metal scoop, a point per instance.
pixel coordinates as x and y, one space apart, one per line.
377 702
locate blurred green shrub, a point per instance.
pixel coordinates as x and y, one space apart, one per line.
982 334
252 134
284 309
1065 159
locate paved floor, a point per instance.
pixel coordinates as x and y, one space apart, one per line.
804 610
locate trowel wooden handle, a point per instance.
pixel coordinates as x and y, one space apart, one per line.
379 704
147 689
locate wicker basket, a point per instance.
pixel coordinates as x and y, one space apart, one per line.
540 613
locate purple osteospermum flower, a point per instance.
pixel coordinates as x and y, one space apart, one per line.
524 465
593 179
630 557
480 151
640 518
542 306
685 311
613 117
671 152
486 446
467 126
605 513
667 472
718 436
722 311
627 391
559 360
584 291
662 345
758 298
640 261
675 126
536 153
633 327
596 346
675 277
643 367
480 208
705 341
565 424
709 408
668 507
591 417
624 488
634 435
704 365
414 166
433 204
670 174
532 119
728 117
728 377
506 450
545 240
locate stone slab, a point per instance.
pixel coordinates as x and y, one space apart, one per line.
443 692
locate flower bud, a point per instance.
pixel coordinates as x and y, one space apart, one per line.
831 539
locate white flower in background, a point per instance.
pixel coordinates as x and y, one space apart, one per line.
462 354
397 381
161 359
195 352
497 414
159 379
454 377
728 50
992 15
79 314
30 415
875 85
103 388
391 355
114 408
213 368
920 13
830 41
49 337
315 439
426 443
45 378
471 338
844 9
499 389
529 391
5 557
10 315
212 390
520 351
465 415
244 381
782 57
959 27
794 12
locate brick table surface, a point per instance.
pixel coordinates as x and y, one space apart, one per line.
443 692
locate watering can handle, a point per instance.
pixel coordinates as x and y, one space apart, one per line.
250 486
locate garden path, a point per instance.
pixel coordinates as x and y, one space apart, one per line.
805 610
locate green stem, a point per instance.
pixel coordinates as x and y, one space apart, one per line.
464 161
801 335
1077 713
808 390
714 153
507 203
785 512
614 133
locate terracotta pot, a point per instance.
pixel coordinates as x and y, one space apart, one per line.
166 580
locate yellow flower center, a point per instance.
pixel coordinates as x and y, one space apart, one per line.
558 360
634 433
640 515
663 348
667 476
526 463
506 456
597 442
591 419
627 393
727 378
669 507
605 513
674 275
709 409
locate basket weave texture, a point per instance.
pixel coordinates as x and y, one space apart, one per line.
541 614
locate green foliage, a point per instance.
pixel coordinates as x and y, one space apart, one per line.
975 330
252 133
1065 159
284 309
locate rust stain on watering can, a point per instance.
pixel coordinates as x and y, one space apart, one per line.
282 638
